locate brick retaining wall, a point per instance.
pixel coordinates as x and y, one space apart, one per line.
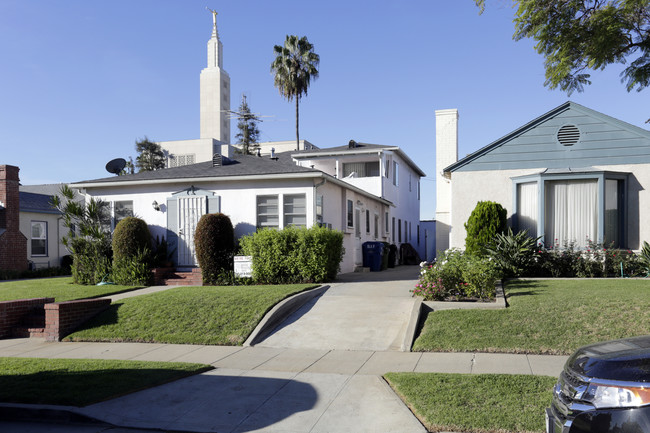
13 312
61 318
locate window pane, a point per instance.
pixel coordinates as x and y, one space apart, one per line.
350 216
123 209
571 214
39 238
613 212
295 212
267 211
527 208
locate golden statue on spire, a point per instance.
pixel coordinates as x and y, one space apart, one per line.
214 15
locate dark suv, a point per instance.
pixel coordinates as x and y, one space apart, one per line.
604 388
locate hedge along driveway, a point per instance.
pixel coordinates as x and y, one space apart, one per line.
221 315
545 316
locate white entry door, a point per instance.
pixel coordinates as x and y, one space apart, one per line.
190 210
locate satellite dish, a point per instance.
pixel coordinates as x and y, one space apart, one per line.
116 165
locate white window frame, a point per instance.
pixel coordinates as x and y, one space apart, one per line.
43 237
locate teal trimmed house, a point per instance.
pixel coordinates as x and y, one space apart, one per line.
570 175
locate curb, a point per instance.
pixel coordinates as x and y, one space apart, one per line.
413 326
280 312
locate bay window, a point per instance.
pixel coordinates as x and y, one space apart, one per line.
572 207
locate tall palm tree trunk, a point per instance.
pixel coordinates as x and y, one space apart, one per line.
297 133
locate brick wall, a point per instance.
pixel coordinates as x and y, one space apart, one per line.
61 318
13 312
13 244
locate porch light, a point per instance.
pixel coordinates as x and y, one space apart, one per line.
155 205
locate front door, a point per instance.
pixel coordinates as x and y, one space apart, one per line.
190 210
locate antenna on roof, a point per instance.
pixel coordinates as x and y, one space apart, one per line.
116 165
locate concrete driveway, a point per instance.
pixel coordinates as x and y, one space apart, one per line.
360 311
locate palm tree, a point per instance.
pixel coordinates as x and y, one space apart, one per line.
295 65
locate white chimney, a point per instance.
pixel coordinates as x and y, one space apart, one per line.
446 154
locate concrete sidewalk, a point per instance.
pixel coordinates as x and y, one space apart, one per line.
273 389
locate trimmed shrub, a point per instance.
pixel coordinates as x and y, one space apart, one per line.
133 271
456 276
91 262
130 237
487 219
294 255
132 252
214 240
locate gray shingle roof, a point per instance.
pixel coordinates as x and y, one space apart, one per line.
240 165
39 203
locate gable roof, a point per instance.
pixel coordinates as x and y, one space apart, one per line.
604 140
360 148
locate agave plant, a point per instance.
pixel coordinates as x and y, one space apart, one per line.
513 253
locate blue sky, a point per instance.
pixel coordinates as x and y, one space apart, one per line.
82 80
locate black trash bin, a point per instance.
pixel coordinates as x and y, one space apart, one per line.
392 255
372 255
384 256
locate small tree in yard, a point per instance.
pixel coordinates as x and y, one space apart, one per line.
89 236
487 219
214 240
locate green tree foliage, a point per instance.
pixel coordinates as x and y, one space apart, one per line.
130 237
295 65
579 35
249 133
89 236
150 155
214 240
487 219
294 254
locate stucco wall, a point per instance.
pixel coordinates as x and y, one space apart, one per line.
470 187
55 231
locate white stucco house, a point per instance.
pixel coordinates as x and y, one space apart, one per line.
571 175
255 192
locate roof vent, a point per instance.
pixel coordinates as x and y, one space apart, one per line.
352 144
568 135
217 160
273 154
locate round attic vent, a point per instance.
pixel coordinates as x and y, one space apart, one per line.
568 135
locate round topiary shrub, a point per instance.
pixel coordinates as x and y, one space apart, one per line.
487 219
130 238
214 241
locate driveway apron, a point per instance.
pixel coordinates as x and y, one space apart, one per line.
360 311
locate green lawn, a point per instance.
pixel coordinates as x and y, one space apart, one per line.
61 289
189 315
475 403
544 316
80 382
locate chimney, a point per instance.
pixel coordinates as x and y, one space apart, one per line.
13 244
446 154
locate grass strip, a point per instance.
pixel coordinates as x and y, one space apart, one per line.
544 316
222 315
61 289
80 382
476 403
